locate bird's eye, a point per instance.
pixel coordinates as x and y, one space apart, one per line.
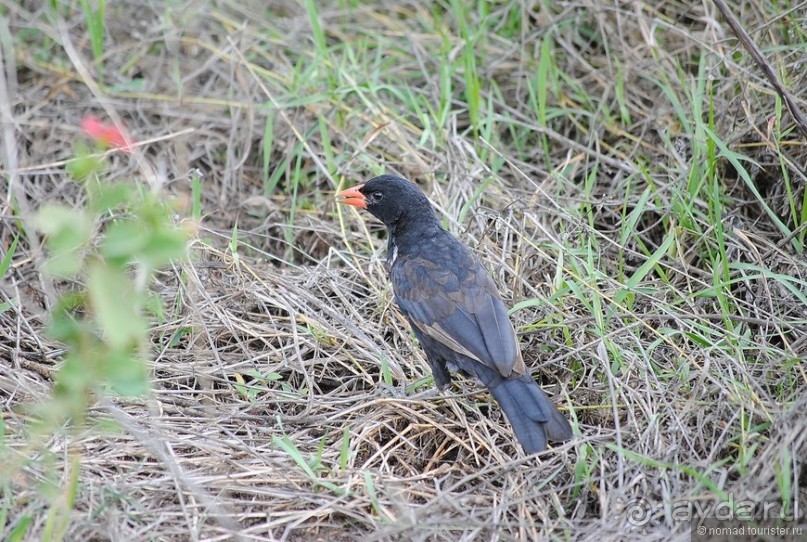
376 196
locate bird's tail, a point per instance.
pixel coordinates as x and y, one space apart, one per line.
534 417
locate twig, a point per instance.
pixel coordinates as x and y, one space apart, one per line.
759 58
16 195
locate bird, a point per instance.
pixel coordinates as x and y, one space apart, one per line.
454 308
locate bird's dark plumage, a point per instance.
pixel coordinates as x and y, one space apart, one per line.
455 309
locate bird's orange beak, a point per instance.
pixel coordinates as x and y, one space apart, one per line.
353 197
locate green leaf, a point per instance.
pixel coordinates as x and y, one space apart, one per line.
196 193
371 492
126 373
545 63
177 336
67 227
67 230
63 327
111 297
153 304
344 455
136 84
63 265
633 282
124 240
21 529
104 197
84 165
6 263
75 376
735 158
164 246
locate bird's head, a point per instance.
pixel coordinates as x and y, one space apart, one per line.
392 200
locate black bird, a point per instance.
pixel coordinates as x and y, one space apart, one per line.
455 309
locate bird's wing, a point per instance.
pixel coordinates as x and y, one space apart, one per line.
457 304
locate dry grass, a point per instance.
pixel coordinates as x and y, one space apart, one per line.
659 301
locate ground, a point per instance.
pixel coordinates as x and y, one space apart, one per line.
625 170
